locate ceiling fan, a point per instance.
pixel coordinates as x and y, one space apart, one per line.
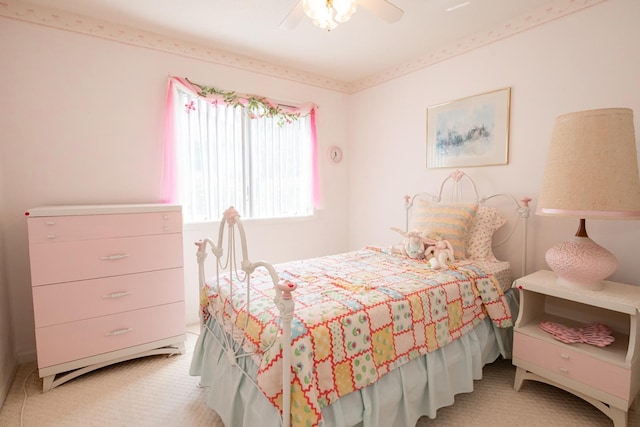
328 14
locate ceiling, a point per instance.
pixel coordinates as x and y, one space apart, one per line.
359 48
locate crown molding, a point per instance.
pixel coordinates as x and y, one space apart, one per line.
53 18
550 12
67 21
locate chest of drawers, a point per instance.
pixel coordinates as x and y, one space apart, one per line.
108 285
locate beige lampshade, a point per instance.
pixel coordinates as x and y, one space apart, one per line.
592 168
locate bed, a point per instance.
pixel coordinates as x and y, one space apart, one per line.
371 337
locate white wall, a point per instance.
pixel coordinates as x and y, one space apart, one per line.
586 60
8 361
82 122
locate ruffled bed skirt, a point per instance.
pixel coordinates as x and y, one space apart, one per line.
400 397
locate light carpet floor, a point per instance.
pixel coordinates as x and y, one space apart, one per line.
158 391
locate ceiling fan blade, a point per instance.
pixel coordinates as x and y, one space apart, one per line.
383 9
293 18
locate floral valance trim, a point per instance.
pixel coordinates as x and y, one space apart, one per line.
258 106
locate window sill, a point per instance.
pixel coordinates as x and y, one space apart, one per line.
256 221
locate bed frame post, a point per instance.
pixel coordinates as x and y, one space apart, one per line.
524 211
285 305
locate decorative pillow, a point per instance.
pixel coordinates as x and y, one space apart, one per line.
487 221
451 222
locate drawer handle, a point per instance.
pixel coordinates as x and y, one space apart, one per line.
51 223
113 257
117 295
564 370
564 356
119 332
51 236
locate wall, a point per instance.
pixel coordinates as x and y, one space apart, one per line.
82 122
8 362
586 60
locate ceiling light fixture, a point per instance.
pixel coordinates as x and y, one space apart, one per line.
327 14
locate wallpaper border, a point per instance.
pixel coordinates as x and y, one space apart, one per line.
49 17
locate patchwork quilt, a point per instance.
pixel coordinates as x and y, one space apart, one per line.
358 315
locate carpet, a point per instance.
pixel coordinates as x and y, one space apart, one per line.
158 391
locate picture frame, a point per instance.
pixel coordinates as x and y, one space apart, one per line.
472 131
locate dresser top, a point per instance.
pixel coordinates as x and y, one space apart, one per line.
614 296
68 210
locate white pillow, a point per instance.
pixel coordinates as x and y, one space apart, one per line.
486 222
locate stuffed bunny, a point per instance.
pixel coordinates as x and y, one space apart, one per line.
413 244
441 252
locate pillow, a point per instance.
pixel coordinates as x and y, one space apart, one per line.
487 221
451 222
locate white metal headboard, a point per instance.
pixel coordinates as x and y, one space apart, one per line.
457 181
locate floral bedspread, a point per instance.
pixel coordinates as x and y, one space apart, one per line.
358 315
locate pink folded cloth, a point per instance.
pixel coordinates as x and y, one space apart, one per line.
594 333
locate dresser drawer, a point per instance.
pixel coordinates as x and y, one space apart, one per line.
87 227
88 259
76 340
67 302
561 359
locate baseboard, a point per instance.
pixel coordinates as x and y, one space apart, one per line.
26 357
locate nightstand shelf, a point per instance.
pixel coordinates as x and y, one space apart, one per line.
607 377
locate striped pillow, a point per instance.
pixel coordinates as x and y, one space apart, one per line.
451 222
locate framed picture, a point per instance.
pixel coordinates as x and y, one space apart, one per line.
472 131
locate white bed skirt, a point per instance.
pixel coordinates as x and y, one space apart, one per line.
399 398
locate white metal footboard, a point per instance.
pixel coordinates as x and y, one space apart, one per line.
226 264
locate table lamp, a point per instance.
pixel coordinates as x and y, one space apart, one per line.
591 173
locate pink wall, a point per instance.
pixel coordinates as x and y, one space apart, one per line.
586 60
81 122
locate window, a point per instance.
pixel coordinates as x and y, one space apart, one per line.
225 157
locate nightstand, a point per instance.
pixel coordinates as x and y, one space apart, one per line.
607 377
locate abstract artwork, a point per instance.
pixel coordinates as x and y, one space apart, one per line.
472 131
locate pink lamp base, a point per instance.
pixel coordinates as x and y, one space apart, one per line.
581 263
